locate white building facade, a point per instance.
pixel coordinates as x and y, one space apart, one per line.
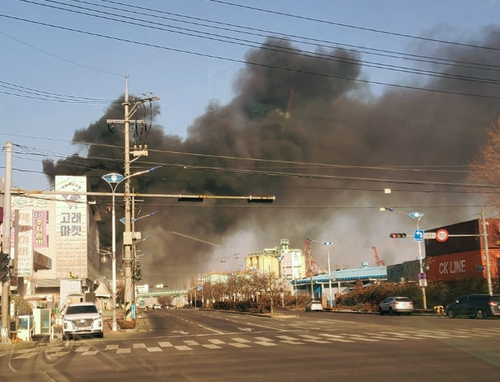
54 237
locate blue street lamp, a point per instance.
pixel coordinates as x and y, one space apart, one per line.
114 179
416 216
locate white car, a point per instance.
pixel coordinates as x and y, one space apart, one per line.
314 306
396 305
81 319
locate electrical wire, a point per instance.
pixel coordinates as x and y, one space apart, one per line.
485 80
27 92
354 26
302 175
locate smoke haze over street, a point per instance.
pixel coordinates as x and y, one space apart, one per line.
307 129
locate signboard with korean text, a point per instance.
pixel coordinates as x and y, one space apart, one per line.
23 249
39 228
71 226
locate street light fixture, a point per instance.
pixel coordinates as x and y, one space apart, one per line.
416 216
114 179
327 244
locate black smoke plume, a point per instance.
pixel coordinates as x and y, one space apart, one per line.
305 130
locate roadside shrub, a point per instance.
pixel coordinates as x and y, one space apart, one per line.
21 305
436 293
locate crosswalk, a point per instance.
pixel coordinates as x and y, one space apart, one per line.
235 341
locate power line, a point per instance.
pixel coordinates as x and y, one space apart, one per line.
302 39
466 78
27 92
59 57
308 165
80 164
354 27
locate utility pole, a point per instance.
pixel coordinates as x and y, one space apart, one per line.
486 252
5 249
130 109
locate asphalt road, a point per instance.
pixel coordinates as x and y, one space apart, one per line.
198 345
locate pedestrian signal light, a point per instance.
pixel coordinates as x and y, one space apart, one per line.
397 235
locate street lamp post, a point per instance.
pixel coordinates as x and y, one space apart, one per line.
327 244
114 179
416 216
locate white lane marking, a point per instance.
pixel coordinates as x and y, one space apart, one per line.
263 339
165 344
217 342
387 338
287 338
265 343
94 352
183 348
240 340
212 330
25 355
332 337
362 338
238 345
212 346
82 349
406 336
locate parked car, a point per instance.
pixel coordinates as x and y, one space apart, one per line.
81 319
475 306
396 305
156 306
314 306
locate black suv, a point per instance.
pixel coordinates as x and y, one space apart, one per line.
475 306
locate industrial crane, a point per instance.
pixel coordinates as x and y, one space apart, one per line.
312 266
378 260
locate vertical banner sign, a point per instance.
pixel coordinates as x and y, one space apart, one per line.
39 229
24 248
71 225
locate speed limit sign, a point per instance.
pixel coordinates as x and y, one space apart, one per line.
442 235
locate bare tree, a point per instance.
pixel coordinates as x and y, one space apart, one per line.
269 283
486 169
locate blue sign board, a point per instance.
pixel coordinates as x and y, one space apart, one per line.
418 235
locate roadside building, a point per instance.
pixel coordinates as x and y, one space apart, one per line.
54 237
287 263
404 272
341 280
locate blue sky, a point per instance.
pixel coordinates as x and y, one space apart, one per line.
58 61
50 55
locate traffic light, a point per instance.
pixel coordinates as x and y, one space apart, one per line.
397 235
261 199
4 267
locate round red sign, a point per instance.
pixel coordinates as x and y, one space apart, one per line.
442 235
